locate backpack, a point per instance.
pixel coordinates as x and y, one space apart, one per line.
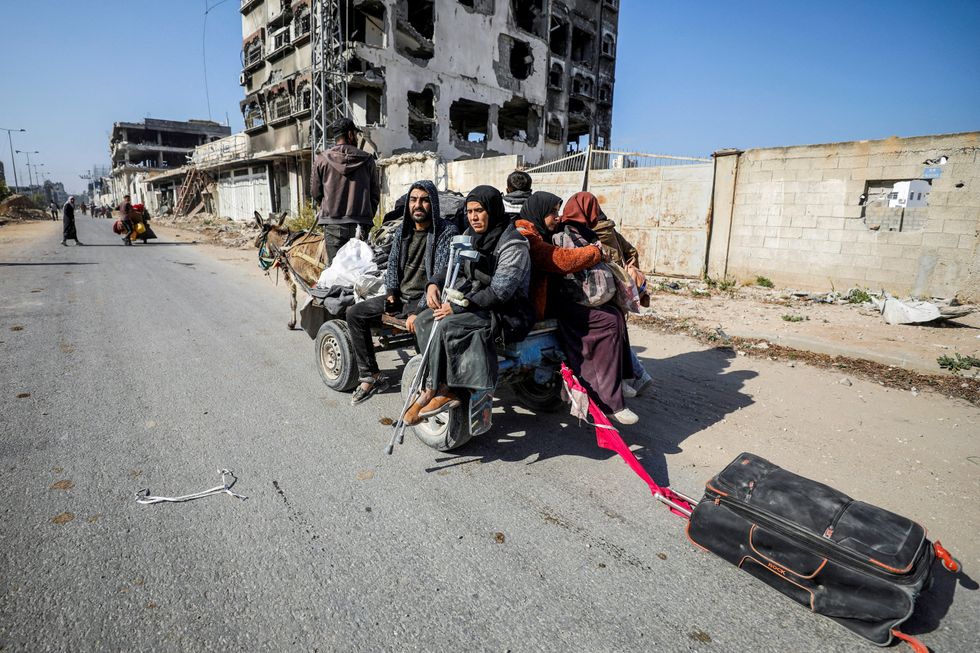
592 287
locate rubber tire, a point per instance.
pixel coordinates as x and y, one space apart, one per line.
446 431
540 398
335 359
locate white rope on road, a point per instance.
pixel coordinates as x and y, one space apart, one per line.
143 496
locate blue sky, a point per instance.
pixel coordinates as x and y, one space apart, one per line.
692 76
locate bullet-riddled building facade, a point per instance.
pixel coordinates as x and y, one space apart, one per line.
464 78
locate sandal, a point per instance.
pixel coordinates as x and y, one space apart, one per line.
378 385
440 404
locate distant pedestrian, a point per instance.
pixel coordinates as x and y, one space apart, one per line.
345 185
53 210
68 218
126 211
518 190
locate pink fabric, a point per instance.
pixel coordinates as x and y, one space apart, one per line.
607 437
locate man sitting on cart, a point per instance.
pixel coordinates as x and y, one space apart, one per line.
419 253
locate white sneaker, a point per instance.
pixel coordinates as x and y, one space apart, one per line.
643 385
626 416
628 390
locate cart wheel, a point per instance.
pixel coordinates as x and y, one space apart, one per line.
335 356
446 431
539 397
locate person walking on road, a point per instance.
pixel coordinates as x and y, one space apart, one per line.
53 210
345 185
68 218
126 209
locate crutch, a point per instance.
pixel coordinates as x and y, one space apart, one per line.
460 247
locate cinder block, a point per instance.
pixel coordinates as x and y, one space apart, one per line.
941 240
957 197
818 210
830 223
802 163
836 235
827 246
895 264
960 227
793 210
934 225
862 174
836 175
856 247
805 221
755 176
902 171
781 174
809 174
815 234
753 219
849 162
790 232
968 242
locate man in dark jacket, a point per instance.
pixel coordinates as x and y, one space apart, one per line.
68 218
419 253
345 185
518 190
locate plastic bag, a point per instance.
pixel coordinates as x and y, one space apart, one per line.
354 259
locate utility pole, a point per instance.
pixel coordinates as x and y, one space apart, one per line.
11 143
28 155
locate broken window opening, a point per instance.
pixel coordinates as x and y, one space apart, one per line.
280 106
414 29
469 121
422 116
896 204
367 105
558 40
555 76
366 23
554 129
479 6
582 44
605 93
304 97
252 113
582 85
608 45
421 15
518 121
521 60
301 22
530 16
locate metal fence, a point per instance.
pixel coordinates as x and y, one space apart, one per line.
613 160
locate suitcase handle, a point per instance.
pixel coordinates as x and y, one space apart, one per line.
949 562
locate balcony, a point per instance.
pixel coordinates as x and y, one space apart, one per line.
249 5
280 44
280 108
252 58
301 27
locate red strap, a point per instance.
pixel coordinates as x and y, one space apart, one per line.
917 646
607 437
948 561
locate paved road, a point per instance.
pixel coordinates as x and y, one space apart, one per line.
152 366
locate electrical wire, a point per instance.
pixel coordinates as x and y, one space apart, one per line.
204 57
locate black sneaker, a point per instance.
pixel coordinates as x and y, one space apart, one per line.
379 385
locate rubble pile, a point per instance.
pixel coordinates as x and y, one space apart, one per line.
220 231
20 207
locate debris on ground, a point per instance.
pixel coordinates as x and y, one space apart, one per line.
143 496
20 207
896 311
219 231
887 375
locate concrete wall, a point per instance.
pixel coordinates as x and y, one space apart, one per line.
796 216
662 210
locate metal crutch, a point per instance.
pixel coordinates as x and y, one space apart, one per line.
459 243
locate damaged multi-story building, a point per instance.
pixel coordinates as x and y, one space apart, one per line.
463 78
154 145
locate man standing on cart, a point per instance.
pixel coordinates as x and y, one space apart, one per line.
419 252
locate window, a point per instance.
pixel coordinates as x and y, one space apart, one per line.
422 116
301 22
469 121
518 121
521 60
558 40
280 106
582 44
555 76
530 16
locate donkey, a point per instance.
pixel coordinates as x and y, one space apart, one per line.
300 254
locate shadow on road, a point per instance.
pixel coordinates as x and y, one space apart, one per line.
49 263
692 392
141 244
933 604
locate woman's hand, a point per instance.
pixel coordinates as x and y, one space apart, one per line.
432 296
443 311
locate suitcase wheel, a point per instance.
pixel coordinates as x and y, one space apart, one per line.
949 562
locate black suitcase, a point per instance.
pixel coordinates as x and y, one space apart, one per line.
858 564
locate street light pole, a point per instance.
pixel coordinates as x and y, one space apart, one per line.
11 143
28 155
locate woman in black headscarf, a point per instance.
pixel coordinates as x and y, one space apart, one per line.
488 299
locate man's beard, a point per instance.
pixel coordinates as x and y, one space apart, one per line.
425 217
